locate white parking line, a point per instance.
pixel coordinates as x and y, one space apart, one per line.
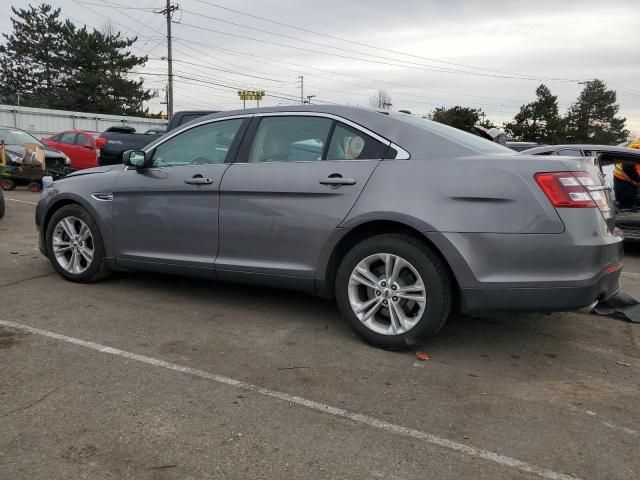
321 407
21 201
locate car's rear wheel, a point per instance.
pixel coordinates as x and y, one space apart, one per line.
7 184
35 187
393 290
74 245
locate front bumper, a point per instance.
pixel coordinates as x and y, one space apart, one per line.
539 299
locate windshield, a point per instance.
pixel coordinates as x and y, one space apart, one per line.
455 135
17 137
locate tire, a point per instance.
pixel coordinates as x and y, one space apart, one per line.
7 184
88 271
419 314
35 187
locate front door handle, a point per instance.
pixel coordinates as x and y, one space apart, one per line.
198 180
337 181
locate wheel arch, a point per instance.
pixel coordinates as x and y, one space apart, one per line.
65 200
344 239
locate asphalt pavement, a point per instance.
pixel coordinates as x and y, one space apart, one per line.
160 377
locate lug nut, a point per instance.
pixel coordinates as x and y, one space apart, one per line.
394 287
384 302
384 284
378 292
395 299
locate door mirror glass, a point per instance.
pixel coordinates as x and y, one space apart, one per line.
134 158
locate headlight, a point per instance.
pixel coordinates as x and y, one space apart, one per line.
13 157
47 181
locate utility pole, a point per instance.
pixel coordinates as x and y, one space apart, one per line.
301 78
168 12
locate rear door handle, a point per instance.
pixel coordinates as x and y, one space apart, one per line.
198 181
337 181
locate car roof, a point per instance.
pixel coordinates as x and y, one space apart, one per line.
424 138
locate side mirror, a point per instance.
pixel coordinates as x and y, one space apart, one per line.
134 159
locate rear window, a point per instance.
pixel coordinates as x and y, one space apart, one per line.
454 135
190 116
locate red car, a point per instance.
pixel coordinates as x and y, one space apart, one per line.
79 145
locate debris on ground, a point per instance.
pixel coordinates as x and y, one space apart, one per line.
620 304
624 364
423 356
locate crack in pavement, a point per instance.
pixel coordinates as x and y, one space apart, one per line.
27 279
32 404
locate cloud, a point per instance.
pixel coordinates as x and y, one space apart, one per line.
564 40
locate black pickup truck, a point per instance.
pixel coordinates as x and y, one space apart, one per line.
119 139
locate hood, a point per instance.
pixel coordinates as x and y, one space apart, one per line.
89 171
51 155
48 151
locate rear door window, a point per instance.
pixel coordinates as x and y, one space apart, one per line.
347 143
569 152
290 139
83 139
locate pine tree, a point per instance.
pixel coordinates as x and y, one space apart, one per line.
34 55
463 118
98 81
592 118
52 64
538 121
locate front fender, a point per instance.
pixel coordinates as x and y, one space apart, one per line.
100 211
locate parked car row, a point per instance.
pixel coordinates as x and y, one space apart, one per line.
25 160
76 149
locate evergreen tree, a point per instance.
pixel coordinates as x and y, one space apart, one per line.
33 56
463 118
97 81
538 121
592 118
53 64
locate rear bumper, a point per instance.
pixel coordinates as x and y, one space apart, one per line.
536 272
539 299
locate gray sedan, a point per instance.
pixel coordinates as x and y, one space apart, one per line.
400 219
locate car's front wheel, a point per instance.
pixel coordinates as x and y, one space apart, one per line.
74 245
393 290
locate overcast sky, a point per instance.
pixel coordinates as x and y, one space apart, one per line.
430 53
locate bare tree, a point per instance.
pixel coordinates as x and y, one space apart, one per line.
380 99
108 30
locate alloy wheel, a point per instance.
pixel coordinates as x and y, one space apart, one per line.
387 294
72 245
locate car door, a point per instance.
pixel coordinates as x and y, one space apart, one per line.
66 144
168 213
85 151
296 178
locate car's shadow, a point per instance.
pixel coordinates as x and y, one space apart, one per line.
515 333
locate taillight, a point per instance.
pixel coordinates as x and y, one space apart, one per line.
566 189
100 142
574 190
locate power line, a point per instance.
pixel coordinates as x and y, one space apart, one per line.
333 73
379 62
253 58
370 46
